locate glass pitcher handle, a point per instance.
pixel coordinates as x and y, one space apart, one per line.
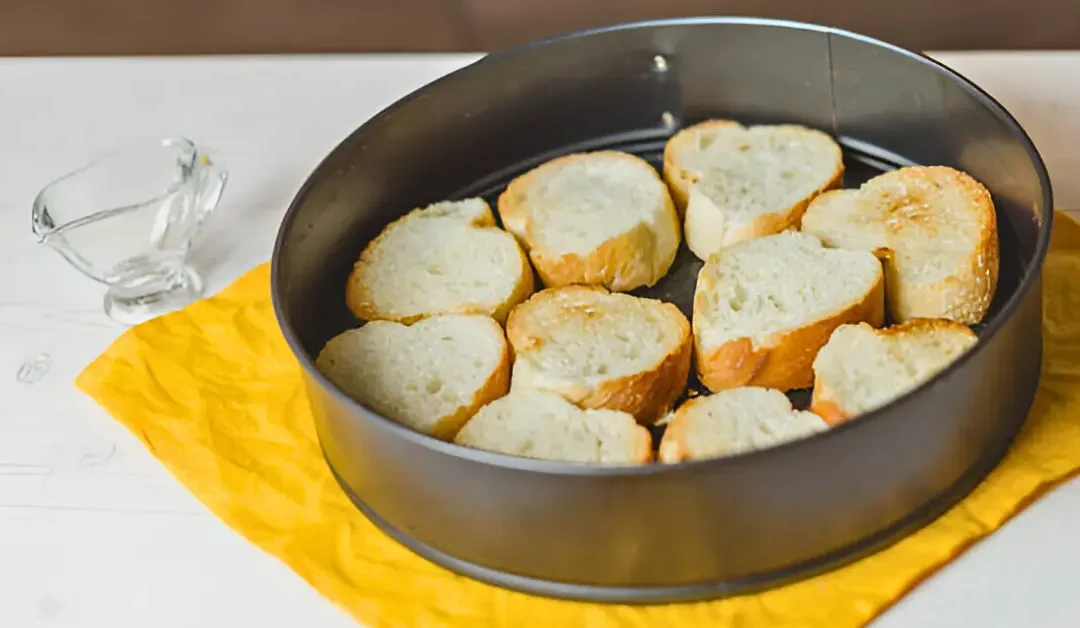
212 180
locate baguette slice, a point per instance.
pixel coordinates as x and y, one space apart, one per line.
446 258
600 349
862 368
601 218
538 424
733 422
737 183
763 308
936 230
431 376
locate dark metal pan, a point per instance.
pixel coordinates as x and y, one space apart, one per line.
700 529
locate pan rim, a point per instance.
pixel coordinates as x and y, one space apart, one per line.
1031 276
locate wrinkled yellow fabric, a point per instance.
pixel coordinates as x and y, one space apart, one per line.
215 394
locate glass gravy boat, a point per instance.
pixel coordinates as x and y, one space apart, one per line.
127 220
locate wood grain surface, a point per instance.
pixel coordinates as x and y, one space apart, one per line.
167 27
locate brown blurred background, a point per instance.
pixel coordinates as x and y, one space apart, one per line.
66 27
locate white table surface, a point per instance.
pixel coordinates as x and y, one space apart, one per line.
94 532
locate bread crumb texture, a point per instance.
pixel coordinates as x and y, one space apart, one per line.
763 308
602 349
539 424
736 183
934 227
431 376
861 368
735 421
601 218
446 258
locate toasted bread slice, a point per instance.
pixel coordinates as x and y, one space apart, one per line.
446 258
601 349
601 218
540 424
736 183
862 368
431 376
733 422
935 229
763 308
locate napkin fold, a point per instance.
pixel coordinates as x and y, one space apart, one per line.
214 392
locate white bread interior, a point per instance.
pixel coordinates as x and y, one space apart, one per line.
446 258
737 183
431 376
862 368
539 424
763 308
735 421
934 227
601 349
600 218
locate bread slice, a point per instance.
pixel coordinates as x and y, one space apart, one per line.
733 422
936 230
736 183
601 349
862 368
446 258
539 424
601 218
431 376
763 308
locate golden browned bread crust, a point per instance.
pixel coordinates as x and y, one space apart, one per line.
741 290
637 257
828 410
496 386
647 394
826 402
785 361
913 204
673 445
643 447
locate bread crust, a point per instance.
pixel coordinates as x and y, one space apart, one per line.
674 445
827 405
700 238
446 427
965 295
632 259
643 449
648 395
361 303
828 410
785 361
496 385
701 232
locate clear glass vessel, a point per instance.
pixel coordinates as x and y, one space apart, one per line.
127 220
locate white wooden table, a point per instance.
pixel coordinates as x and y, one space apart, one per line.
94 532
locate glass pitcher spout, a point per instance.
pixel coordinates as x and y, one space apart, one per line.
128 218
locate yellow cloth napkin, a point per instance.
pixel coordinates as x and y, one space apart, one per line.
215 394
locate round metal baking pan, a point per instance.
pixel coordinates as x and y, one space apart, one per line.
699 529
